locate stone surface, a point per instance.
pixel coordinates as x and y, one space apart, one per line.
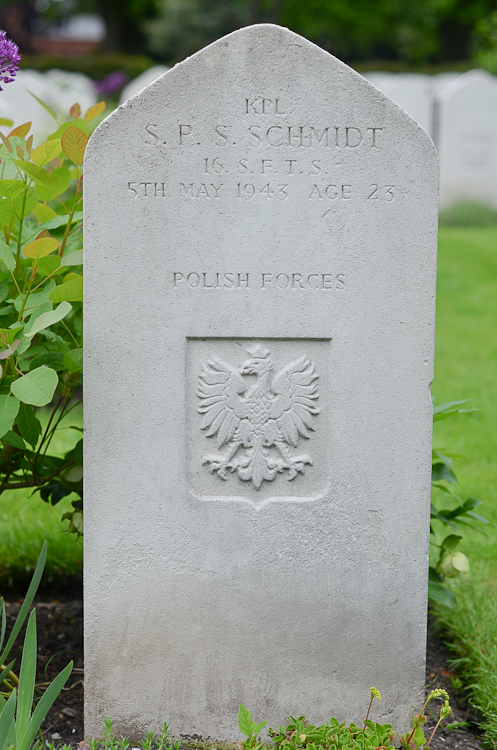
466 138
260 250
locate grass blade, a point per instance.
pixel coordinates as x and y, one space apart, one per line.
33 587
43 707
45 106
4 622
6 719
27 679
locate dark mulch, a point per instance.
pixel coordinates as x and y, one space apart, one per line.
60 639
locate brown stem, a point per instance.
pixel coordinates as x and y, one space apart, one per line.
52 415
436 727
367 715
34 482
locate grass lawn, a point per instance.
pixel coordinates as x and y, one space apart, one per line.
26 521
466 367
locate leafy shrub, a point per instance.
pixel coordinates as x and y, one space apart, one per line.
335 735
95 66
468 215
450 561
41 289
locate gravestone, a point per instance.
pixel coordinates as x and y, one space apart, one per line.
260 248
413 93
466 138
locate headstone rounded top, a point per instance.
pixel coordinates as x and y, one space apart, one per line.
255 57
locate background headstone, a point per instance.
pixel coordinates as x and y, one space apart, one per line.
260 250
139 83
466 138
413 93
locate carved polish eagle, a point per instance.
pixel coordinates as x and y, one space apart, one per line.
258 422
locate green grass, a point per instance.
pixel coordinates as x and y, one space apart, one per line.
26 521
466 367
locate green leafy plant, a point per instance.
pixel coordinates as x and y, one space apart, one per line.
20 715
41 287
299 734
449 562
149 742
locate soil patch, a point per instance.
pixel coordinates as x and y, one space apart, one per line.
60 640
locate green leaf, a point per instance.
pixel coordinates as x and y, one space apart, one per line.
47 266
418 736
28 424
36 387
7 335
245 723
28 599
70 290
43 707
27 678
73 259
43 212
55 360
7 256
73 360
440 472
60 179
49 318
13 439
9 407
440 594
9 123
61 220
46 152
6 718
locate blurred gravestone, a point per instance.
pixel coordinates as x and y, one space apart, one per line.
139 83
413 93
260 246
466 138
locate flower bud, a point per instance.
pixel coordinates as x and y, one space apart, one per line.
452 564
302 737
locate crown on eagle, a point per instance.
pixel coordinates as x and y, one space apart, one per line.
258 351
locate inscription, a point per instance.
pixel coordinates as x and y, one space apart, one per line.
276 136
146 189
258 422
278 281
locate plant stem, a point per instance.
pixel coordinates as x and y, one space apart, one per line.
27 293
68 226
436 727
21 224
367 715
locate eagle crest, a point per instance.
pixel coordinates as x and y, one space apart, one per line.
258 422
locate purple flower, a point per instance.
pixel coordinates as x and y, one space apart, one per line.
111 83
9 59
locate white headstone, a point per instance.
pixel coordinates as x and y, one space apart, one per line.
69 88
466 139
141 81
25 108
260 244
414 94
